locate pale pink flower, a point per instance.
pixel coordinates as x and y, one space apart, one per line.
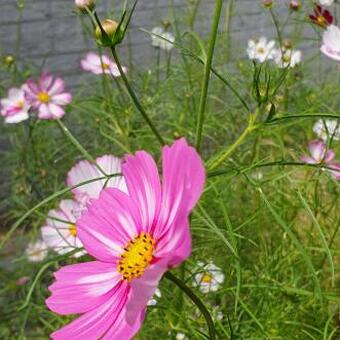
22 280
100 64
82 4
15 107
331 42
84 171
135 238
320 155
59 232
48 96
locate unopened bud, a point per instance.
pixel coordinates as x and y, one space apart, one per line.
166 23
9 60
82 4
267 3
294 5
287 44
109 27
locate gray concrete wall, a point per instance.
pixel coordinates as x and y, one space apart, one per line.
52 35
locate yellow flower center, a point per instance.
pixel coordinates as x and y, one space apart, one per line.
44 97
137 257
321 20
72 230
105 66
286 58
20 104
206 278
260 50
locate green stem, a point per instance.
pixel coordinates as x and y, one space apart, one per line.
196 300
215 162
277 27
206 77
74 141
134 97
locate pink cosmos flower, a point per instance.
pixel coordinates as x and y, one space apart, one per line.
48 96
100 64
135 238
319 154
15 107
331 42
59 232
84 171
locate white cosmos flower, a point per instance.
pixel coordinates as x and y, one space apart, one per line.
327 128
59 232
209 277
326 2
181 336
153 300
260 49
287 58
331 42
14 108
165 44
36 251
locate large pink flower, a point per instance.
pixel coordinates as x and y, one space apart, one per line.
320 155
84 171
48 96
100 64
15 107
135 238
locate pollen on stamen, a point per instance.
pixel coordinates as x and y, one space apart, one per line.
137 257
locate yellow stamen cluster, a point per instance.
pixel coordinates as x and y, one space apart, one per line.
44 97
72 230
206 278
20 104
105 66
137 257
260 50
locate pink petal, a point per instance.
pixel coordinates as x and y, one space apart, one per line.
82 287
175 246
336 172
44 112
56 111
183 181
141 175
308 160
31 88
94 324
17 118
62 99
109 224
57 87
330 154
132 315
45 81
317 149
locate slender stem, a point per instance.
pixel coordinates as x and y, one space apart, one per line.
216 161
196 300
82 150
277 27
134 97
158 62
206 77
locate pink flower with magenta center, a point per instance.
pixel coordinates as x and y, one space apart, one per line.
320 155
135 238
15 107
100 65
48 96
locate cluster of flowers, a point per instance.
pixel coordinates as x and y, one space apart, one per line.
262 50
47 97
319 153
135 226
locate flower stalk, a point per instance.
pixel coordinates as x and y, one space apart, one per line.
206 77
135 98
196 300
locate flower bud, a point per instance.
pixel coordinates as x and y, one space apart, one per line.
109 27
82 4
294 5
287 44
267 3
9 60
